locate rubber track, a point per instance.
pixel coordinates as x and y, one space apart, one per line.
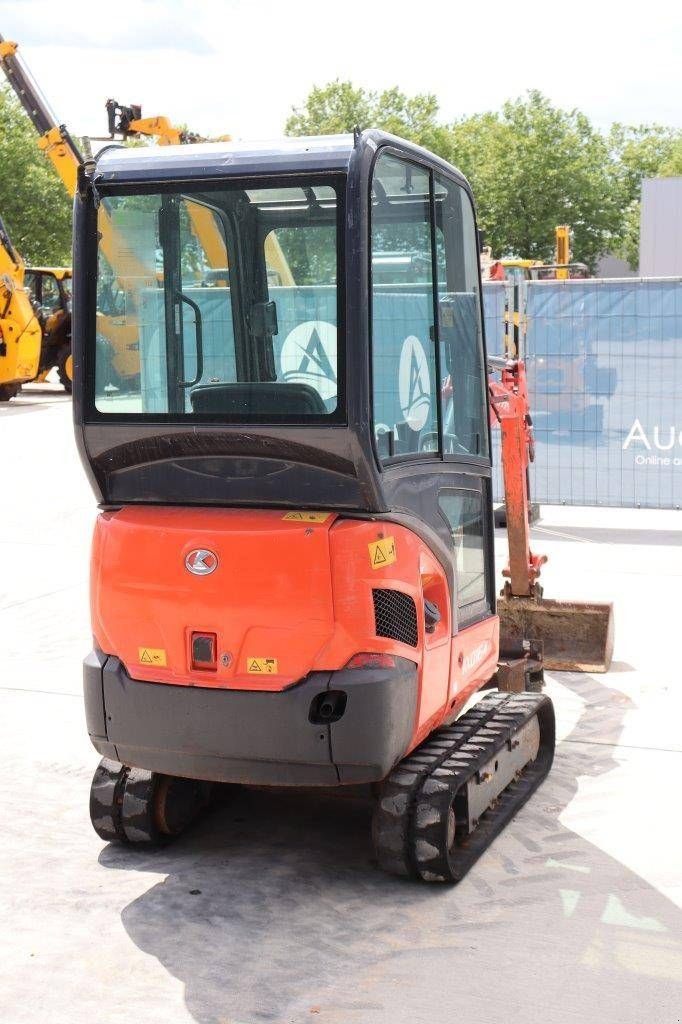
106 798
137 817
408 825
123 804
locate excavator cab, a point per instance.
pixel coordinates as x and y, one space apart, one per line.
292 569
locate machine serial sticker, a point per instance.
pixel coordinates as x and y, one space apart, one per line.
306 517
261 666
151 655
382 552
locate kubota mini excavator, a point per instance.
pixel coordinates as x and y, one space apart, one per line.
292 569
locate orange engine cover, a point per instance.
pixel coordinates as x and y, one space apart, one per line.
269 599
285 594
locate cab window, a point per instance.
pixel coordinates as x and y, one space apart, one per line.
463 395
51 298
404 377
31 284
463 511
428 373
227 300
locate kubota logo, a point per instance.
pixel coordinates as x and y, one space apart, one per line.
475 657
201 562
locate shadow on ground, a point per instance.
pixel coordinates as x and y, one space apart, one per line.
273 912
34 400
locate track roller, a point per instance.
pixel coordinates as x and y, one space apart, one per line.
142 808
441 807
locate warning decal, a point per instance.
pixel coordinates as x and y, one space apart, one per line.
307 517
261 666
151 656
382 552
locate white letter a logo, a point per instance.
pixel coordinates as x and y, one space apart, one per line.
637 433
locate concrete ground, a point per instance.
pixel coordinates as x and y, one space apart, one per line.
270 910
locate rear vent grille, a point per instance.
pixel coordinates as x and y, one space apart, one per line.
395 616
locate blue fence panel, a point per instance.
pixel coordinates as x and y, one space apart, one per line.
604 362
494 305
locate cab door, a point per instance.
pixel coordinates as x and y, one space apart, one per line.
465 493
429 386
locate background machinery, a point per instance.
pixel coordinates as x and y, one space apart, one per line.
292 572
48 286
20 333
126 122
117 314
50 291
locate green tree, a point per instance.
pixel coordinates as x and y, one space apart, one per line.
533 166
640 151
340 107
671 167
33 201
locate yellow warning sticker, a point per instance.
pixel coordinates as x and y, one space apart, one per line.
382 552
151 656
261 666
306 517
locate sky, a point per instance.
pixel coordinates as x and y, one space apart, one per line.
229 66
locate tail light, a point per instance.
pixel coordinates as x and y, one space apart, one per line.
370 660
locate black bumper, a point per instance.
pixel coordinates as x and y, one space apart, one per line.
255 737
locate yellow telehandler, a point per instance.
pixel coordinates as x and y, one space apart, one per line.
20 332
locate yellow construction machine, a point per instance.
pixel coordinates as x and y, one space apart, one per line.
563 269
114 327
127 122
50 292
48 288
117 317
20 333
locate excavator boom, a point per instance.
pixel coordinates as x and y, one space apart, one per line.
563 635
54 138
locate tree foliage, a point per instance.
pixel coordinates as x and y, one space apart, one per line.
341 107
531 165
33 201
671 167
639 151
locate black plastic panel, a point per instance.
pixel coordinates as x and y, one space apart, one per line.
253 736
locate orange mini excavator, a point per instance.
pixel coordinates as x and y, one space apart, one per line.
292 569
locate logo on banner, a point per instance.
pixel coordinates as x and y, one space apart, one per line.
660 439
309 357
414 383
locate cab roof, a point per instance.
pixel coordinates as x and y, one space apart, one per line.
290 154
59 272
326 153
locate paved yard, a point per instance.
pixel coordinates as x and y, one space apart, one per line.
271 910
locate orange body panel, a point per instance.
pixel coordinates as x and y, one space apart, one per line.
296 592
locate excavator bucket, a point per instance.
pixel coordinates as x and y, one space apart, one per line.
575 636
